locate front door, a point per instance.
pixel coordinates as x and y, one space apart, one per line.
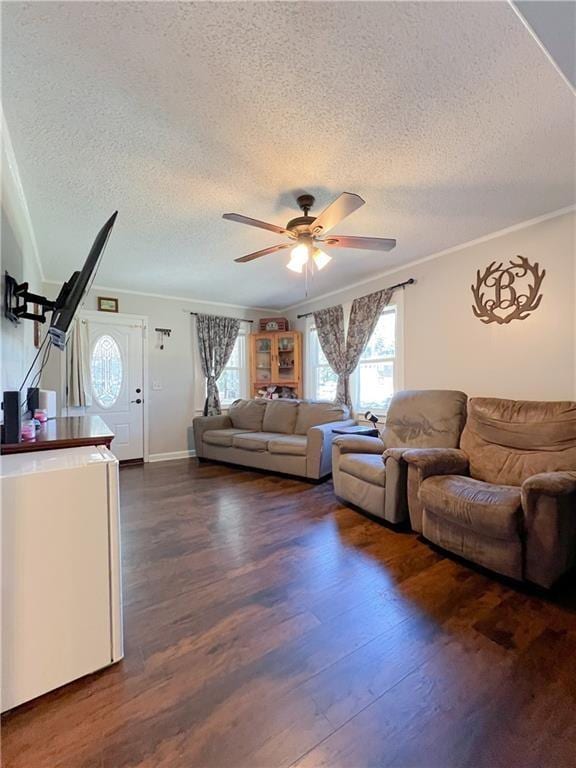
116 354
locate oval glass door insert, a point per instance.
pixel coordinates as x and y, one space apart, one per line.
107 371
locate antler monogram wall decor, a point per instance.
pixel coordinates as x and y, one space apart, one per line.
503 294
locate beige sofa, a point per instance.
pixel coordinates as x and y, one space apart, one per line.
370 472
293 437
507 499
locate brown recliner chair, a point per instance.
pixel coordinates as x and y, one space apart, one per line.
507 499
369 471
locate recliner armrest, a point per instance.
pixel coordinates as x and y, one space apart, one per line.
549 507
396 499
394 453
424 462
551 483
359 444
437 461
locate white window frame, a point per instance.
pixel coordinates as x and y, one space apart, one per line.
242 368
312 356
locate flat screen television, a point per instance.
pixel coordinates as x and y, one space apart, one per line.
74 290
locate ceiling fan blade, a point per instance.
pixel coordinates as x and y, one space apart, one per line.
254 222
263 252
343 206
366 243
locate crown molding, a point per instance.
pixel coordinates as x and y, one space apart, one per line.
439 254
532 32
11 178
168 297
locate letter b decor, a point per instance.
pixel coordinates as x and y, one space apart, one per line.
502 294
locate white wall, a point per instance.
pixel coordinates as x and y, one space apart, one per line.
19 258
446 346
175 368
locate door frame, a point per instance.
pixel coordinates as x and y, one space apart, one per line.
125 319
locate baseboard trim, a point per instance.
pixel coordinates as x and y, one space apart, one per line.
171 456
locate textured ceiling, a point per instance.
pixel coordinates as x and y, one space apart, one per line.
554 23
446 117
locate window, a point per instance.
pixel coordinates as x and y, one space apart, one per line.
377 376
324 379
106 371
232 382
375 372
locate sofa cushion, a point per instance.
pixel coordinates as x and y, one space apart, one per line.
365 466
292 445
247 414
253 441
491 510
221 436
280 416
313 414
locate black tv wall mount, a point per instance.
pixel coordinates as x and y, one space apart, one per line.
16 299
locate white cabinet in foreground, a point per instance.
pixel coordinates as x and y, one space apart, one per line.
61 584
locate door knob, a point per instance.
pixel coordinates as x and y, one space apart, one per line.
138 390
136 401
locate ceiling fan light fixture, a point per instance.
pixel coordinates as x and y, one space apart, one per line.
321 258
295 266
300 254
306 232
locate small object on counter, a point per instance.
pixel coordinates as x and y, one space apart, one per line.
28 430
47 401
41 416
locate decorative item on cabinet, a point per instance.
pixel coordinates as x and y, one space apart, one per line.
276 393
273 324
276 364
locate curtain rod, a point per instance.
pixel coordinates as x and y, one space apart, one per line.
232 318
411 281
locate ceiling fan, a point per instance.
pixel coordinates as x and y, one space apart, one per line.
308 233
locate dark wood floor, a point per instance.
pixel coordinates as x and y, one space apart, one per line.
269 626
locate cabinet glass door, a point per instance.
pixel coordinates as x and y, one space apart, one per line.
286 355
263 360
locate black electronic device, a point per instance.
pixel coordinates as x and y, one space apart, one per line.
73 291
12 407
17 296
33 399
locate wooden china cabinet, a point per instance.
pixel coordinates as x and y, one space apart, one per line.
276 360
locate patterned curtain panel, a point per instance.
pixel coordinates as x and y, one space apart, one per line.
216 339
78 384
364 315
344 357
330 329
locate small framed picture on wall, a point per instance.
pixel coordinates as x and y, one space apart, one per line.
106 304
